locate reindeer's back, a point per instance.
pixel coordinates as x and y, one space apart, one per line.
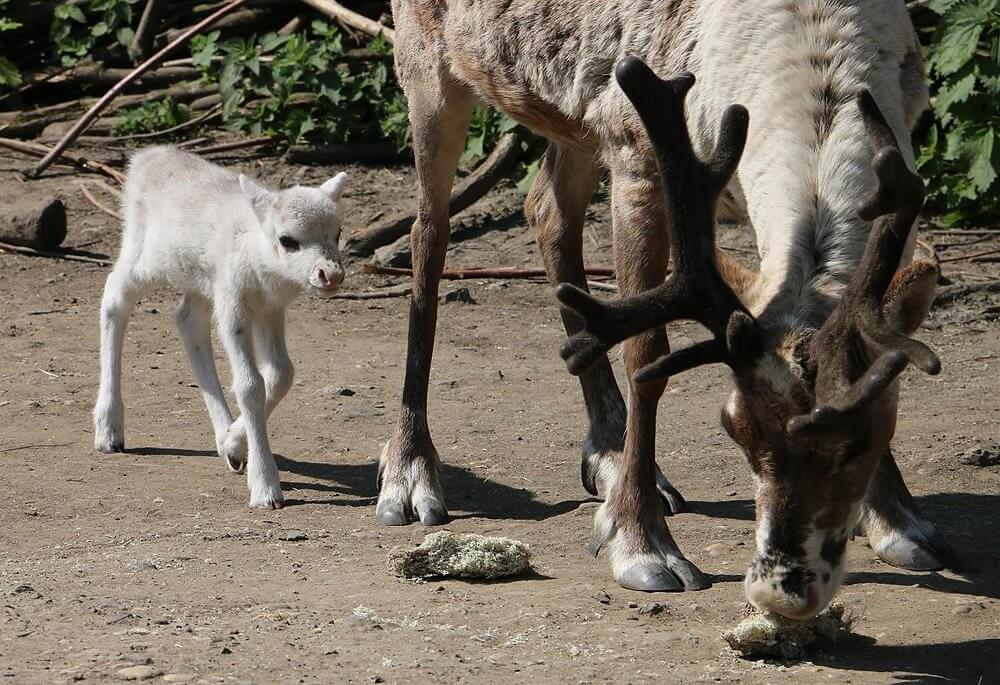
547 63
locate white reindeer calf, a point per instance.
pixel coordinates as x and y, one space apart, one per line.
231 246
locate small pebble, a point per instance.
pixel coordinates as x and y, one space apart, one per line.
138 673
292 535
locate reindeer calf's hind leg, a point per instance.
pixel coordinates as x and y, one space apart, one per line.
120 295
409 484
194 323
896 529
556 207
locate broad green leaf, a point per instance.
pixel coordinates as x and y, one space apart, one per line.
982 172
957 38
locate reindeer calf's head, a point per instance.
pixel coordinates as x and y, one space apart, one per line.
302 226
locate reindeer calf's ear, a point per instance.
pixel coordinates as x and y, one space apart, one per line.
252 189
910 295
335 186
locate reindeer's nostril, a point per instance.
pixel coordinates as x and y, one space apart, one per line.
323 278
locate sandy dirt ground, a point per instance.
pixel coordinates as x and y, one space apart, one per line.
150 564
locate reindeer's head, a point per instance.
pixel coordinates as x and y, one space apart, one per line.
812 409
302 229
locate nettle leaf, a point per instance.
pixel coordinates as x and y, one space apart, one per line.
957 38
953 92
982 172
941 6
10 75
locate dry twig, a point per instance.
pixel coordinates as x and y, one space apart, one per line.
352 19
500 272
97 203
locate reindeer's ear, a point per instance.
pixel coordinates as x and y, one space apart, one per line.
910 296
335 186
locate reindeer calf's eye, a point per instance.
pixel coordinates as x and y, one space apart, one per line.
290 244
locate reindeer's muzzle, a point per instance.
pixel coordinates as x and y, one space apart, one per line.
791 588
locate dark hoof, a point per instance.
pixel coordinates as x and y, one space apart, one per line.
235 464
673 501
391 513
118 448
432 513
587 474
650 578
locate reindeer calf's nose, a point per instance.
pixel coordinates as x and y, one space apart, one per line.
330 276
772 592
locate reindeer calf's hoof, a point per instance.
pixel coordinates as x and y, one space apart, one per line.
269 502
109 447
233 448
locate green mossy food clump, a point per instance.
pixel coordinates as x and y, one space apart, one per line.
461 555
771 635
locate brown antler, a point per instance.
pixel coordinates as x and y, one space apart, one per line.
691 187
858 322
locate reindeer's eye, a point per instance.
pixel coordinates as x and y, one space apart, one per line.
290 244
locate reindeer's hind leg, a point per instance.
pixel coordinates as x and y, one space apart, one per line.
556 206
440 107
896 529
120 294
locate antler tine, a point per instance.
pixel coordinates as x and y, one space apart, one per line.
893 205
695 289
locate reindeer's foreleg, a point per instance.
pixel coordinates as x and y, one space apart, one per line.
643 554
409 484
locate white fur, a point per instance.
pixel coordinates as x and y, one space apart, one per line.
215 236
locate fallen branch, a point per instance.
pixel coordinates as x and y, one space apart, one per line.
97 203
350 18
39 150
145 33
107 188
932 254
94 111
951 293
236 145
394 291
214 112
67 256
962 258
494 168
500 272
364 153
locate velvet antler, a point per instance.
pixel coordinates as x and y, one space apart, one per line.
691 188
857 324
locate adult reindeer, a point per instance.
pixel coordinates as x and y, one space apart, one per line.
797 66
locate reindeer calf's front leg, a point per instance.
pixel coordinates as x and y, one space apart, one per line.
251 397
275 366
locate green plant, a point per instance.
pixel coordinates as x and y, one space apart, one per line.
960 157
153 116
78 29
10 75
302 83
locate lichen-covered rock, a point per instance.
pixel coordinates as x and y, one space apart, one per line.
461 555
771 635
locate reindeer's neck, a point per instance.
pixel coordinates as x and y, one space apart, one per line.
808 159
